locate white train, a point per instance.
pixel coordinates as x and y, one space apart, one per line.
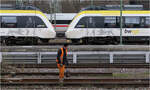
25 26
103 26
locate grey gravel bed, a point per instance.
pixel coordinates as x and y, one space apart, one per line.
81 77
124 73
70 88
106 70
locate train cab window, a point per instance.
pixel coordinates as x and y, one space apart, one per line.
110 22
82 23
9 22
147 22
39 23
91 22
132 22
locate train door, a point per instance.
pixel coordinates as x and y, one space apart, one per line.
26 24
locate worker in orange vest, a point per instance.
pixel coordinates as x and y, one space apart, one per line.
62 61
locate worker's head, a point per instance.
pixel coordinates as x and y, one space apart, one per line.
65 45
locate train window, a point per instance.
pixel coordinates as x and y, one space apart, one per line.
142 22
82 23
91 22
147 22
118 22
110 22
132 22
9 22
39 23
26 22
99 22
30 22
21 21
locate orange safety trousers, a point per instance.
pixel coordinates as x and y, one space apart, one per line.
61 70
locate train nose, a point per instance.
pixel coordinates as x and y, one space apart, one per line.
67 34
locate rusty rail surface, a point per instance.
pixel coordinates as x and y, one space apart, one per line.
56 73
141 82
84 65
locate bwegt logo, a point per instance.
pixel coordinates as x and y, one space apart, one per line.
132 31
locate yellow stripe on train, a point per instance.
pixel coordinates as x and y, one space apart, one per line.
111 12
23 11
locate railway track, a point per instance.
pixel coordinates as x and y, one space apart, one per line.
85 65
56 73
20 81
78 78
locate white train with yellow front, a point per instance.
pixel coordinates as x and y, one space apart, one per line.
25 26
103 26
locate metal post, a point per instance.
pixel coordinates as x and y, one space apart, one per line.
74 58
91 2
50 7
39 58
55 9
19 2
120 22
0 63
0 57
147 58
111 58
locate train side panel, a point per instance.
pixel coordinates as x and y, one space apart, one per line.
135 26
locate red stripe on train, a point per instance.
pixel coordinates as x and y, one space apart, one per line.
61 25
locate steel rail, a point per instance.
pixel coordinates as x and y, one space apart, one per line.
56 73
10 81
84 65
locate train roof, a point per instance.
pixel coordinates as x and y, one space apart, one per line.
113 7
18 7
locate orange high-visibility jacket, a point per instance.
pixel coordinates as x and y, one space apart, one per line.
62 56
